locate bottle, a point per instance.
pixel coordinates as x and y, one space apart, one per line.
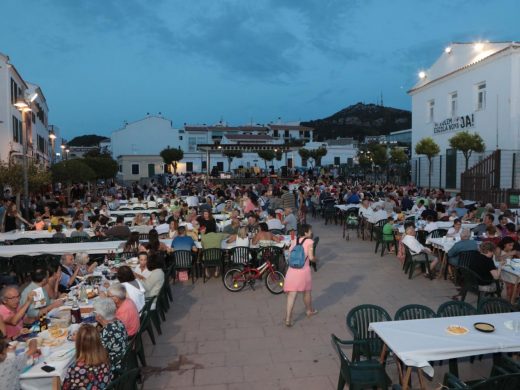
75 312
22 228
49 227
117 258
83 297
43 323
200 237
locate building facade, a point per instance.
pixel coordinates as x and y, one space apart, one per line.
473 87
17 128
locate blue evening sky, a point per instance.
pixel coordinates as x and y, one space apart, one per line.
101 62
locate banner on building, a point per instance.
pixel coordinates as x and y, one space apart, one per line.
452 124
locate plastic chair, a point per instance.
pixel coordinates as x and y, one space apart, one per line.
210 258
272 253
183 260
471 282
23 241
438 233
358 320
414 312
126 381
358 375
412 261
145 318
455 309
240 255
495 306
504 365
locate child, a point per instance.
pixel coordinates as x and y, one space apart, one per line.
388 233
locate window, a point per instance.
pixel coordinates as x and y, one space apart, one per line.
40 143
120 168
135 169
275 134
17 130
337 160
192 144
204 165
189 166
453 104
431 110
14 91
180 137
286 133
481 96
220 166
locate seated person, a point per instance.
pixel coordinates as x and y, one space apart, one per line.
38 222
134 288
154 281
59 235
183 242
273 222
12 366
39 279
471 215
289 220
464 245
213 240
506 250
69 272
233 227
11 312
455 230
126 312
79 232
416 248
484 266
113 332
119 230
431 225
388 233
460 209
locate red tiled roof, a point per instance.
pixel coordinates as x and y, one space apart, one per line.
290 127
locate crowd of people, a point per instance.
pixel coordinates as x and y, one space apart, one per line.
184 211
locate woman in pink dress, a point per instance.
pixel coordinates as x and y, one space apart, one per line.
299 279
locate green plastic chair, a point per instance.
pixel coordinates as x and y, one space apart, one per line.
495 306
414 312
455 309
210 258
359 375
125 381
412 261
145 318
504 365
358 320
184 260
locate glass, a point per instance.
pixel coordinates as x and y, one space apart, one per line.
15 297
516 327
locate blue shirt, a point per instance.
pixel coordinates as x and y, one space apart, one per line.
64 281
353 199
183 243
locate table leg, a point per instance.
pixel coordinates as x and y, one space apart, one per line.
383 354
421 379
406 380
399 369
56 383
444 264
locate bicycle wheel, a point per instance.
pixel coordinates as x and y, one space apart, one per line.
234 280
274 281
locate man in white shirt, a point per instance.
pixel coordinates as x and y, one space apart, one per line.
273 222
378 214
365 210
416 247
418 208
192 200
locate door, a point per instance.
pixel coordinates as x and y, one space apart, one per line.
290 162
151 170
451 168
220 166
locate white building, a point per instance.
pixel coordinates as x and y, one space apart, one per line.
13 131
473 87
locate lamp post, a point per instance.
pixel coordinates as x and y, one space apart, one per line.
25 106
52 137
62 146
67 150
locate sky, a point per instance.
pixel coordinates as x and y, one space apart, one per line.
103 62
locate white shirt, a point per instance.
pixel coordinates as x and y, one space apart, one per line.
144 273
412 244
453 233
275 223
242 241
135 294
366 212
192 201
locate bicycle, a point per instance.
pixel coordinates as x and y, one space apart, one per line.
236 279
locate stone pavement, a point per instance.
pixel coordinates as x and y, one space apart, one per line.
218 340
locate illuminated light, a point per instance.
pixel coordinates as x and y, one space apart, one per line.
422 74
52 135
447 50
21 104
479 46
33 97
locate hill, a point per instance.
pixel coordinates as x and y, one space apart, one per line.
86 140
360 120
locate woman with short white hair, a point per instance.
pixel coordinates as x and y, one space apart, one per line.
81 260
126 311
113 333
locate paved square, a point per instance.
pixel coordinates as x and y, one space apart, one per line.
218 340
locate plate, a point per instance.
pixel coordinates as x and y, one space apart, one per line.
457 330
484 327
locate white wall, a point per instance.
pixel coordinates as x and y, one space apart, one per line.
502 77
147 136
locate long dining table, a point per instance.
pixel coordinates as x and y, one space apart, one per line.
418 342
91 247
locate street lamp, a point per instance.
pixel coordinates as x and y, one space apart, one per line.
52 137
67 153
62 146
23 106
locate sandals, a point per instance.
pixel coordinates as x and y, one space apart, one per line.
288 323
312 313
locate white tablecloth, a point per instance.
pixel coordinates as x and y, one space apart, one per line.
144 212
446 225
37 379
226 246
35 234
345 207
417 342
59 249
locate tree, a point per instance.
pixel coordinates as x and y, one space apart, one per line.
75 170
317 155
278 155
467 143
86 140
430 149
231 154
266 155
12 175
304 154
172 156
398 157
104 166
